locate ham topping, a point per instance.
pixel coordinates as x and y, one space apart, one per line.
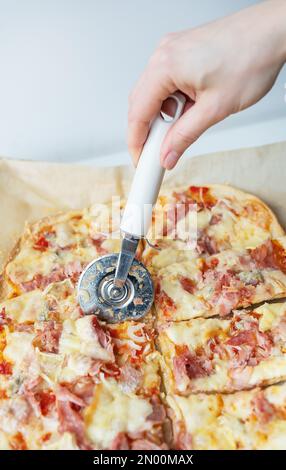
206 244
262 408
103 336
130 378
71 270
192 365
47 338
248 346
166 303
270 254
97 241
229 291
158 414
71 420
187 284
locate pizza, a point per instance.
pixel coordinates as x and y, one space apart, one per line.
205 220
243 351
205 357
59 247
248 420
68 381
218 284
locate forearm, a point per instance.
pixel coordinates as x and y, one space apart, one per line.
281 27
270 18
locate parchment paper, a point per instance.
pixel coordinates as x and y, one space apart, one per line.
31 190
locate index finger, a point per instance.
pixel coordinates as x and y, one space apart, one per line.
146 100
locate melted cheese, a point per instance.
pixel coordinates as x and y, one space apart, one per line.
228 421
25 308
19 345
197 332
271 315
113 412
78 337
65 441
4 442
30 262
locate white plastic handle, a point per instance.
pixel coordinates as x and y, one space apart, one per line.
149 174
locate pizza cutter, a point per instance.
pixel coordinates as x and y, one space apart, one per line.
118 287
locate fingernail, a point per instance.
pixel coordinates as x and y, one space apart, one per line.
170 160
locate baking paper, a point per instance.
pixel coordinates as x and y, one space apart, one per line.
31 190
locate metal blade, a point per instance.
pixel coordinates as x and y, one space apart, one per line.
125 259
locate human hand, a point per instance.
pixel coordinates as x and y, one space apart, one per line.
222 68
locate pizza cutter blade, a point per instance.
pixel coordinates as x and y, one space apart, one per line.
118 287
98 294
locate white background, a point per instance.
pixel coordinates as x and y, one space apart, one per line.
67 67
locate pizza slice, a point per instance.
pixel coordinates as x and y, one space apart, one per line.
59 247
216 285
253 420
204 220
56 363
225 355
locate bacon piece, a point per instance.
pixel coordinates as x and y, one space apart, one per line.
187 284
244 337
226 302
250 346
206 244
47 339
279 255
103 336
163 300
72 421
47 400
130 378
240 377
215 219
110 370
263 255
158 414
270 254
71 270
83 388
97 241
191 365
262 408
229 291
64 394
40 282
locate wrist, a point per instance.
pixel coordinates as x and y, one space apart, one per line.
278 8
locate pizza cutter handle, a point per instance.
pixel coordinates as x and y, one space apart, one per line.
149 174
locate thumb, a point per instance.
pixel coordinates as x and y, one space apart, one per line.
197 119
